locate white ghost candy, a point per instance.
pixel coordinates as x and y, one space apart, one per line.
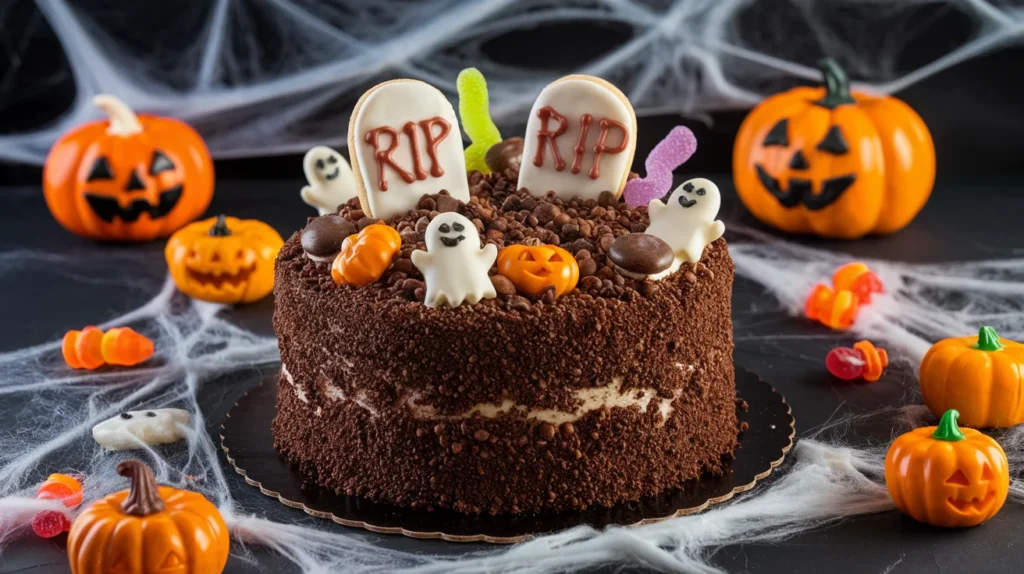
330 178
687 222
127 430
454 266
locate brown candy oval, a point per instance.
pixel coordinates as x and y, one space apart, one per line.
506 154
641 253
321 239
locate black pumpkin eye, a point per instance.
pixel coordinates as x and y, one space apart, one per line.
332 160
160 163
100 170
126 416
458 226
444 228
834 142
778 135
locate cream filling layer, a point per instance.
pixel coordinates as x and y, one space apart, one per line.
589 399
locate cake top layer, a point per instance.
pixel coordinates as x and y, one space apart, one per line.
503 216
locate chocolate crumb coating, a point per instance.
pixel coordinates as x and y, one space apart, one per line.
616 390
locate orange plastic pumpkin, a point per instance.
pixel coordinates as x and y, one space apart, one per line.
129 178
366 255
946 476
834 163
148 529
982 377
224 259
532 269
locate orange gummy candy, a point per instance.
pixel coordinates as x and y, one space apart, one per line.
859 279
91 348
876 360
61 487
834 309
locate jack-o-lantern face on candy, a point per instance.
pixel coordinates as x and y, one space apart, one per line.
532 269
132 178
833 162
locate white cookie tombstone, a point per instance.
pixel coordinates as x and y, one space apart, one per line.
405 142
580 139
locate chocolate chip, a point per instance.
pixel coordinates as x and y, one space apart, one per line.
548 297
481 435
506 154
562 219
323 237
690 277
587 267
546 430
583 254
408 235
456 447
412 285
605 242
519 304
641 253
570 231
607 198
447 203
568 429
503 285
511 203
546 213
578 245
365 222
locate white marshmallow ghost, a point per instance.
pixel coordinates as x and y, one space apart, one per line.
330 178
132 429
687 222
454 266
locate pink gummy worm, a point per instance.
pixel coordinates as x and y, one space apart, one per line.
670 153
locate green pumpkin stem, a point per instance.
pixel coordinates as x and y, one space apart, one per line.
143 495
947 429
837 86
988 340
220 229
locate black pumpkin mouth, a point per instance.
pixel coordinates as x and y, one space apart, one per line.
973 505
801 190
452 241
220 279
107 208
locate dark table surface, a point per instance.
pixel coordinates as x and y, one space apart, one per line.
963 221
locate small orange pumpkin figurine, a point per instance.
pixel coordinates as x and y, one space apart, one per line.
982 377
532 269
833 163
946 476
128 178
224 259
366 255
148 528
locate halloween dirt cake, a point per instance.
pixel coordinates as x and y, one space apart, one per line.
454 341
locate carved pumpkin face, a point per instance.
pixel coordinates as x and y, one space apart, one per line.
825 161
946 476
148 530
532 269
224 259
132 178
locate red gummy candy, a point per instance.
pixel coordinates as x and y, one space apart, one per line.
49 523
845 363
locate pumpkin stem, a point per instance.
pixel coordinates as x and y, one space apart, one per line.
220 228
143 496
123 121
947 429
837 86
988 340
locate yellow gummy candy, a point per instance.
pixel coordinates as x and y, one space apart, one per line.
476 118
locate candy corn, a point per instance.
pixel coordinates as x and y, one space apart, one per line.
91 348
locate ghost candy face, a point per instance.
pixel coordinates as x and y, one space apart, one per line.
454 266
133 429
330 179
687 220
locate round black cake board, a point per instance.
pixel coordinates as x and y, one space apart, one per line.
249 445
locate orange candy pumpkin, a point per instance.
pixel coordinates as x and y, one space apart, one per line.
946 476
532 269
366 255
148 529
128 178
833 162
982 377
224 259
